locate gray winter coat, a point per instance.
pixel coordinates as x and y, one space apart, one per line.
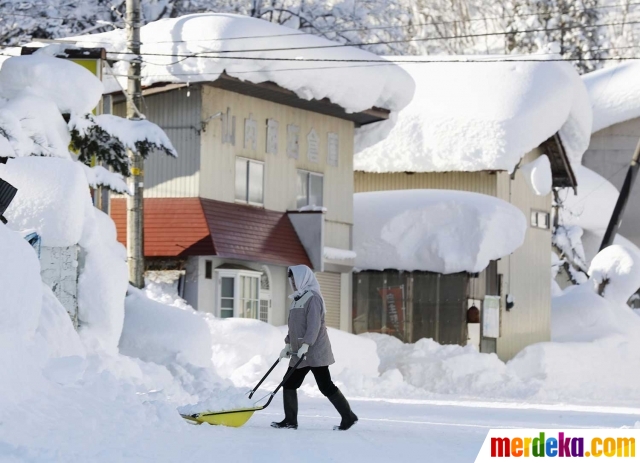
306 326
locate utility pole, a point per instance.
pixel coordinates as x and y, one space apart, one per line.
135 223
625 192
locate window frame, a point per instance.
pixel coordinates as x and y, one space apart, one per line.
309 174
247 194
238 299
534 219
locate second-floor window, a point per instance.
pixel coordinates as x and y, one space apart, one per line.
310 189
249 181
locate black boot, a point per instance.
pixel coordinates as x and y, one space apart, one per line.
290 402
348 417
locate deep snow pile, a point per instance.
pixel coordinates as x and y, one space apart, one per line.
472 116
614 93
215 38
436 230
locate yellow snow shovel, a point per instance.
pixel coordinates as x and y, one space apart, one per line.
238 417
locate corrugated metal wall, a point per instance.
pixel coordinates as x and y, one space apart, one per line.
609 154
526 273
330 287
179 116
480 182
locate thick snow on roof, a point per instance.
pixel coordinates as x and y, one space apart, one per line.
472 116
227 37
434 230
614 94
42 75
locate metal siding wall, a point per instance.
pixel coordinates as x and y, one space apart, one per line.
526 272
609 154
331 289
179 116
479 182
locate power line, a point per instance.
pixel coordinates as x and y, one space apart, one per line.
387 42
430 23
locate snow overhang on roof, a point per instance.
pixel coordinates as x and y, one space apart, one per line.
434 230
484 114
614 94
201 47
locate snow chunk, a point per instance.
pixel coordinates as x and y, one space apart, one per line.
42 75
99 176
617 269
51 198
591 208
34 126
614 94
460 119
208 34
229 398
132 133
538 175
159 333
20 286
338 254
434 230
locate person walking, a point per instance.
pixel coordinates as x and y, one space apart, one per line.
308 337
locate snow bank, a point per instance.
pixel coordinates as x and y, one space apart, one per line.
20 286
212 34
51 198
614 94
41 75
434 230
154 332
479 116
103 281
538 175
617 270
56 329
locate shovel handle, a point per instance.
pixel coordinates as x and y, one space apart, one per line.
253 391
284 380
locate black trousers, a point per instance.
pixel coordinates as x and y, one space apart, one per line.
321 374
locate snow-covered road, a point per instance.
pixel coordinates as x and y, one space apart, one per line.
387 431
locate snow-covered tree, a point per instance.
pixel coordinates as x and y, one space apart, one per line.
566 27
42 118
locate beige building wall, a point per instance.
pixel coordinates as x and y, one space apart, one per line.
526 274
218 159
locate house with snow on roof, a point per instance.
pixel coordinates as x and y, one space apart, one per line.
453 208
264 176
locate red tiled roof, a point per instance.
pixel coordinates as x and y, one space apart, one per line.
179 227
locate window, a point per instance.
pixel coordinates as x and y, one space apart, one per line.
250 296
310 189
540 219
238 292
227 299
208 269
249 181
